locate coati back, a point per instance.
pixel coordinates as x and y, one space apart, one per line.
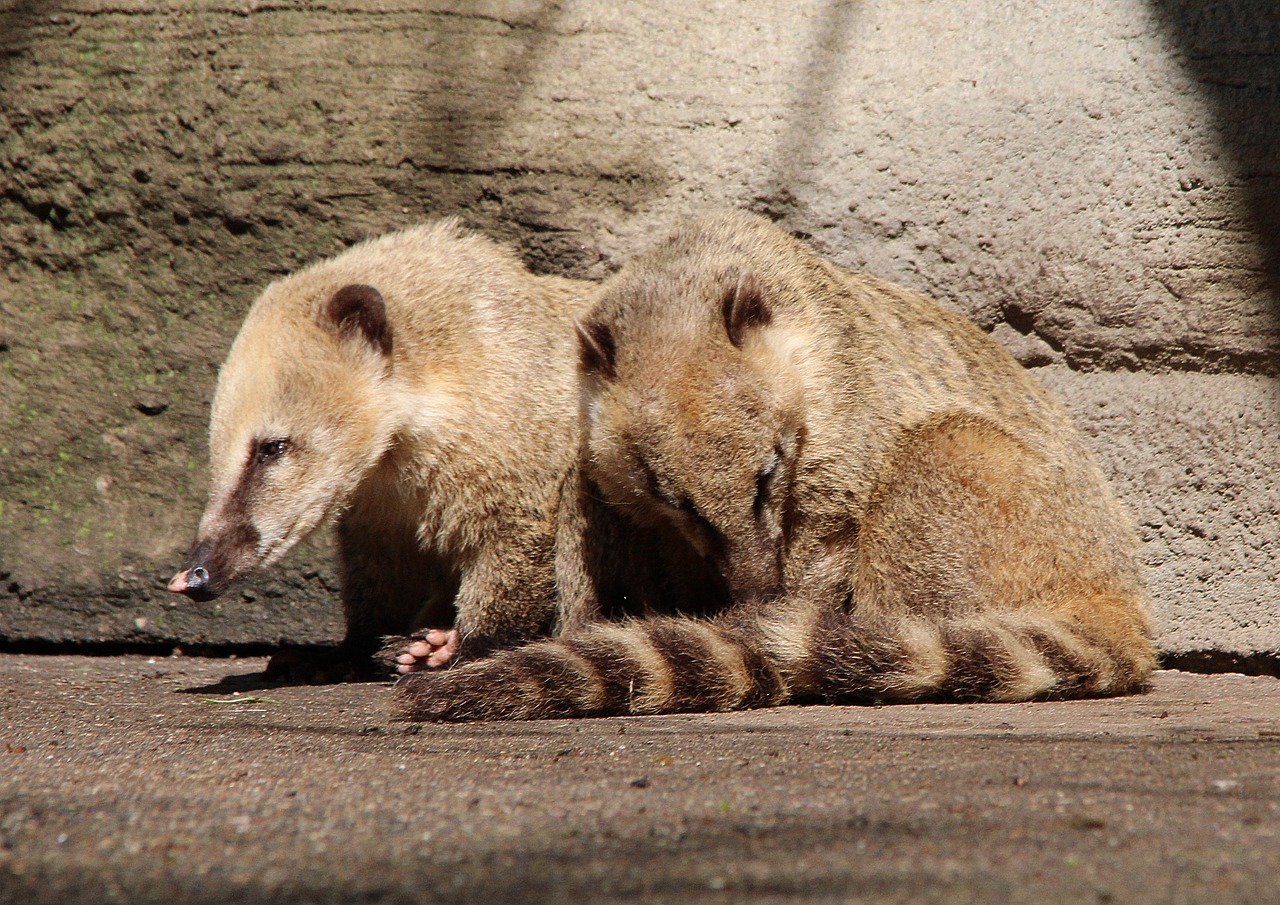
899 510
418 391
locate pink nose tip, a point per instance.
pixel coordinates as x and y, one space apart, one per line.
178 583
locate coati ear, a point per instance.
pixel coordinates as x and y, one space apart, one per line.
599 351
744 305
358 310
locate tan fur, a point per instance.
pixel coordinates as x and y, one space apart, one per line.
898 508
440 458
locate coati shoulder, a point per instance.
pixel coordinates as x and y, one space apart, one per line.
898 510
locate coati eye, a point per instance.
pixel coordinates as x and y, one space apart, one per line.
268 451
659 491
683 505
764 481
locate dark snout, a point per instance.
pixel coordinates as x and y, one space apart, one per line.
204 573
195 583
755 573
198 577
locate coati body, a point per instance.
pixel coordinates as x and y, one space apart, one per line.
419 391
898 508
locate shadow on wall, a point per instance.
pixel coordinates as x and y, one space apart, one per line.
830 44
477 76
1232 49
473 78
15 19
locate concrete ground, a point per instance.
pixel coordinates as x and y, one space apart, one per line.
180 779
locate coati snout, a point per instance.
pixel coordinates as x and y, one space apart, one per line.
212 565
755 574
194 582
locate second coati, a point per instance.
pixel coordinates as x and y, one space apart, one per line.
419 392
899 510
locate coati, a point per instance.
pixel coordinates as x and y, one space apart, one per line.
419 391
899 510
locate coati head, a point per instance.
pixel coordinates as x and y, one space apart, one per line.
693 411
296 425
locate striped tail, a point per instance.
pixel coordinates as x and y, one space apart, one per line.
672 665
658 665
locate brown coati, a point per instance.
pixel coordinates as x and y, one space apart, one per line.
899 509
418 391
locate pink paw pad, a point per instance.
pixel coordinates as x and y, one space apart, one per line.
435 649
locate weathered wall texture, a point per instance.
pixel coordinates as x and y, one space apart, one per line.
1097 182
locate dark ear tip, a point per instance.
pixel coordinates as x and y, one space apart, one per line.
599 351
356 294
744 305
358 308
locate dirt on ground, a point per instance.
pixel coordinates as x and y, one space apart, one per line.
182 779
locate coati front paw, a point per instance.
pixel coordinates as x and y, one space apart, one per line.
434 649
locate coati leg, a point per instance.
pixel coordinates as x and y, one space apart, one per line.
389 588
980 575
606 569
584 527
505 598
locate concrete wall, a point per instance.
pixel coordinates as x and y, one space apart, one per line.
1096 182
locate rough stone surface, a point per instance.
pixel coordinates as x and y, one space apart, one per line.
162 781
1099 188
1194 456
